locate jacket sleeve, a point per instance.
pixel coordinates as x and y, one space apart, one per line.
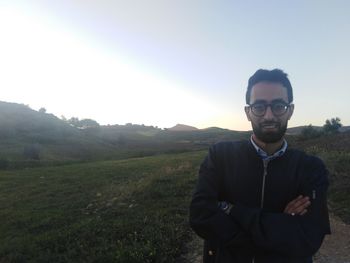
206 219
295 236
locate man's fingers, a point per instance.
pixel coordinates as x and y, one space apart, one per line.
298 205
292 203
301 204
300 209
303 213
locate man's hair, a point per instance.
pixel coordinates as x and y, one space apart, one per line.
275 75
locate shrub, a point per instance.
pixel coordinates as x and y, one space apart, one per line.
310 132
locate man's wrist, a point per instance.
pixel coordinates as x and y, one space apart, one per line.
225 207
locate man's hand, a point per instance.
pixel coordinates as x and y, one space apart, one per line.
298 206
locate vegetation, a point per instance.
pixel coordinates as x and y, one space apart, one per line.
88 199
83 124
132 210
331 126
334 150
310 132
29 138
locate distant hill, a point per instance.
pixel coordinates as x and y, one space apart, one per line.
333 142
344 129
297 130
26 134
182 127
29 137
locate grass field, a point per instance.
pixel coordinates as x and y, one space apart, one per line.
335 152
338 164
133 210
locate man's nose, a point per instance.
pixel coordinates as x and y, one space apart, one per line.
269 114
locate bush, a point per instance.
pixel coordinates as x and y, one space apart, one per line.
332 126
310 132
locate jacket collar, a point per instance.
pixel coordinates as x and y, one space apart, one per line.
264 155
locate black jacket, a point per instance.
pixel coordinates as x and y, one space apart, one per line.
257 230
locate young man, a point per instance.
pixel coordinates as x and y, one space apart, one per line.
258 200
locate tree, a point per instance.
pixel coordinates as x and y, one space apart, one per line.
332 126
88 123
74 121
42 110
84 123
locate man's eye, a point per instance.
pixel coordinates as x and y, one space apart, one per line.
259 107
279 106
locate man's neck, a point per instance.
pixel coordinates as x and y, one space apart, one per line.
269 148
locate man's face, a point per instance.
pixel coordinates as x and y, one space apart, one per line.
269 128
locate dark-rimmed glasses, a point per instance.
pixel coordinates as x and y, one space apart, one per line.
277 108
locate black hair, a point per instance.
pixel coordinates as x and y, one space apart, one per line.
275 75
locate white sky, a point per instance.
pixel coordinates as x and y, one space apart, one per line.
166 62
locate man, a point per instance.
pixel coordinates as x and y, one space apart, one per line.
258 200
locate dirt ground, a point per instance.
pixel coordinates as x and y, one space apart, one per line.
335 248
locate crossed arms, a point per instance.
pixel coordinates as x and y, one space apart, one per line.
296 236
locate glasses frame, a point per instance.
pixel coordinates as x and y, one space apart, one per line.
266 105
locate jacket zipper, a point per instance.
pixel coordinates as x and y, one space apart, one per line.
265 162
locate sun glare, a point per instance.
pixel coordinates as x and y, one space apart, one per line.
60 71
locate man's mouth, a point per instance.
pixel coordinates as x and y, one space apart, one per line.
269 126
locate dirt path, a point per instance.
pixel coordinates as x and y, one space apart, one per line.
335 248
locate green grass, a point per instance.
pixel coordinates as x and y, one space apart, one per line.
133 210
338 164
334 150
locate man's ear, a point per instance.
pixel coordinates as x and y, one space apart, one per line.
291 110
246 109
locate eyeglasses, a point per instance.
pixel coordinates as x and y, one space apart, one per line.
277 108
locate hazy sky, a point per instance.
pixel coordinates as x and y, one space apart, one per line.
166 62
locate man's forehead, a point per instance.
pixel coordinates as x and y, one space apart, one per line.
268 91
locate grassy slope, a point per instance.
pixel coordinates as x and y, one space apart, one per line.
132 210
339 194
27 136
55 139
335 152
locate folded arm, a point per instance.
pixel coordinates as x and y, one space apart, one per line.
300 235
297 236
206 218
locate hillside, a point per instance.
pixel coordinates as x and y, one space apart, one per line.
130 210
182 127
26 134
32 138
133 210
297 130
112 211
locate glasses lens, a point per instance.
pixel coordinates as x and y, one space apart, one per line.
279 108
258 109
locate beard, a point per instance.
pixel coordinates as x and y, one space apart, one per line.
269 136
